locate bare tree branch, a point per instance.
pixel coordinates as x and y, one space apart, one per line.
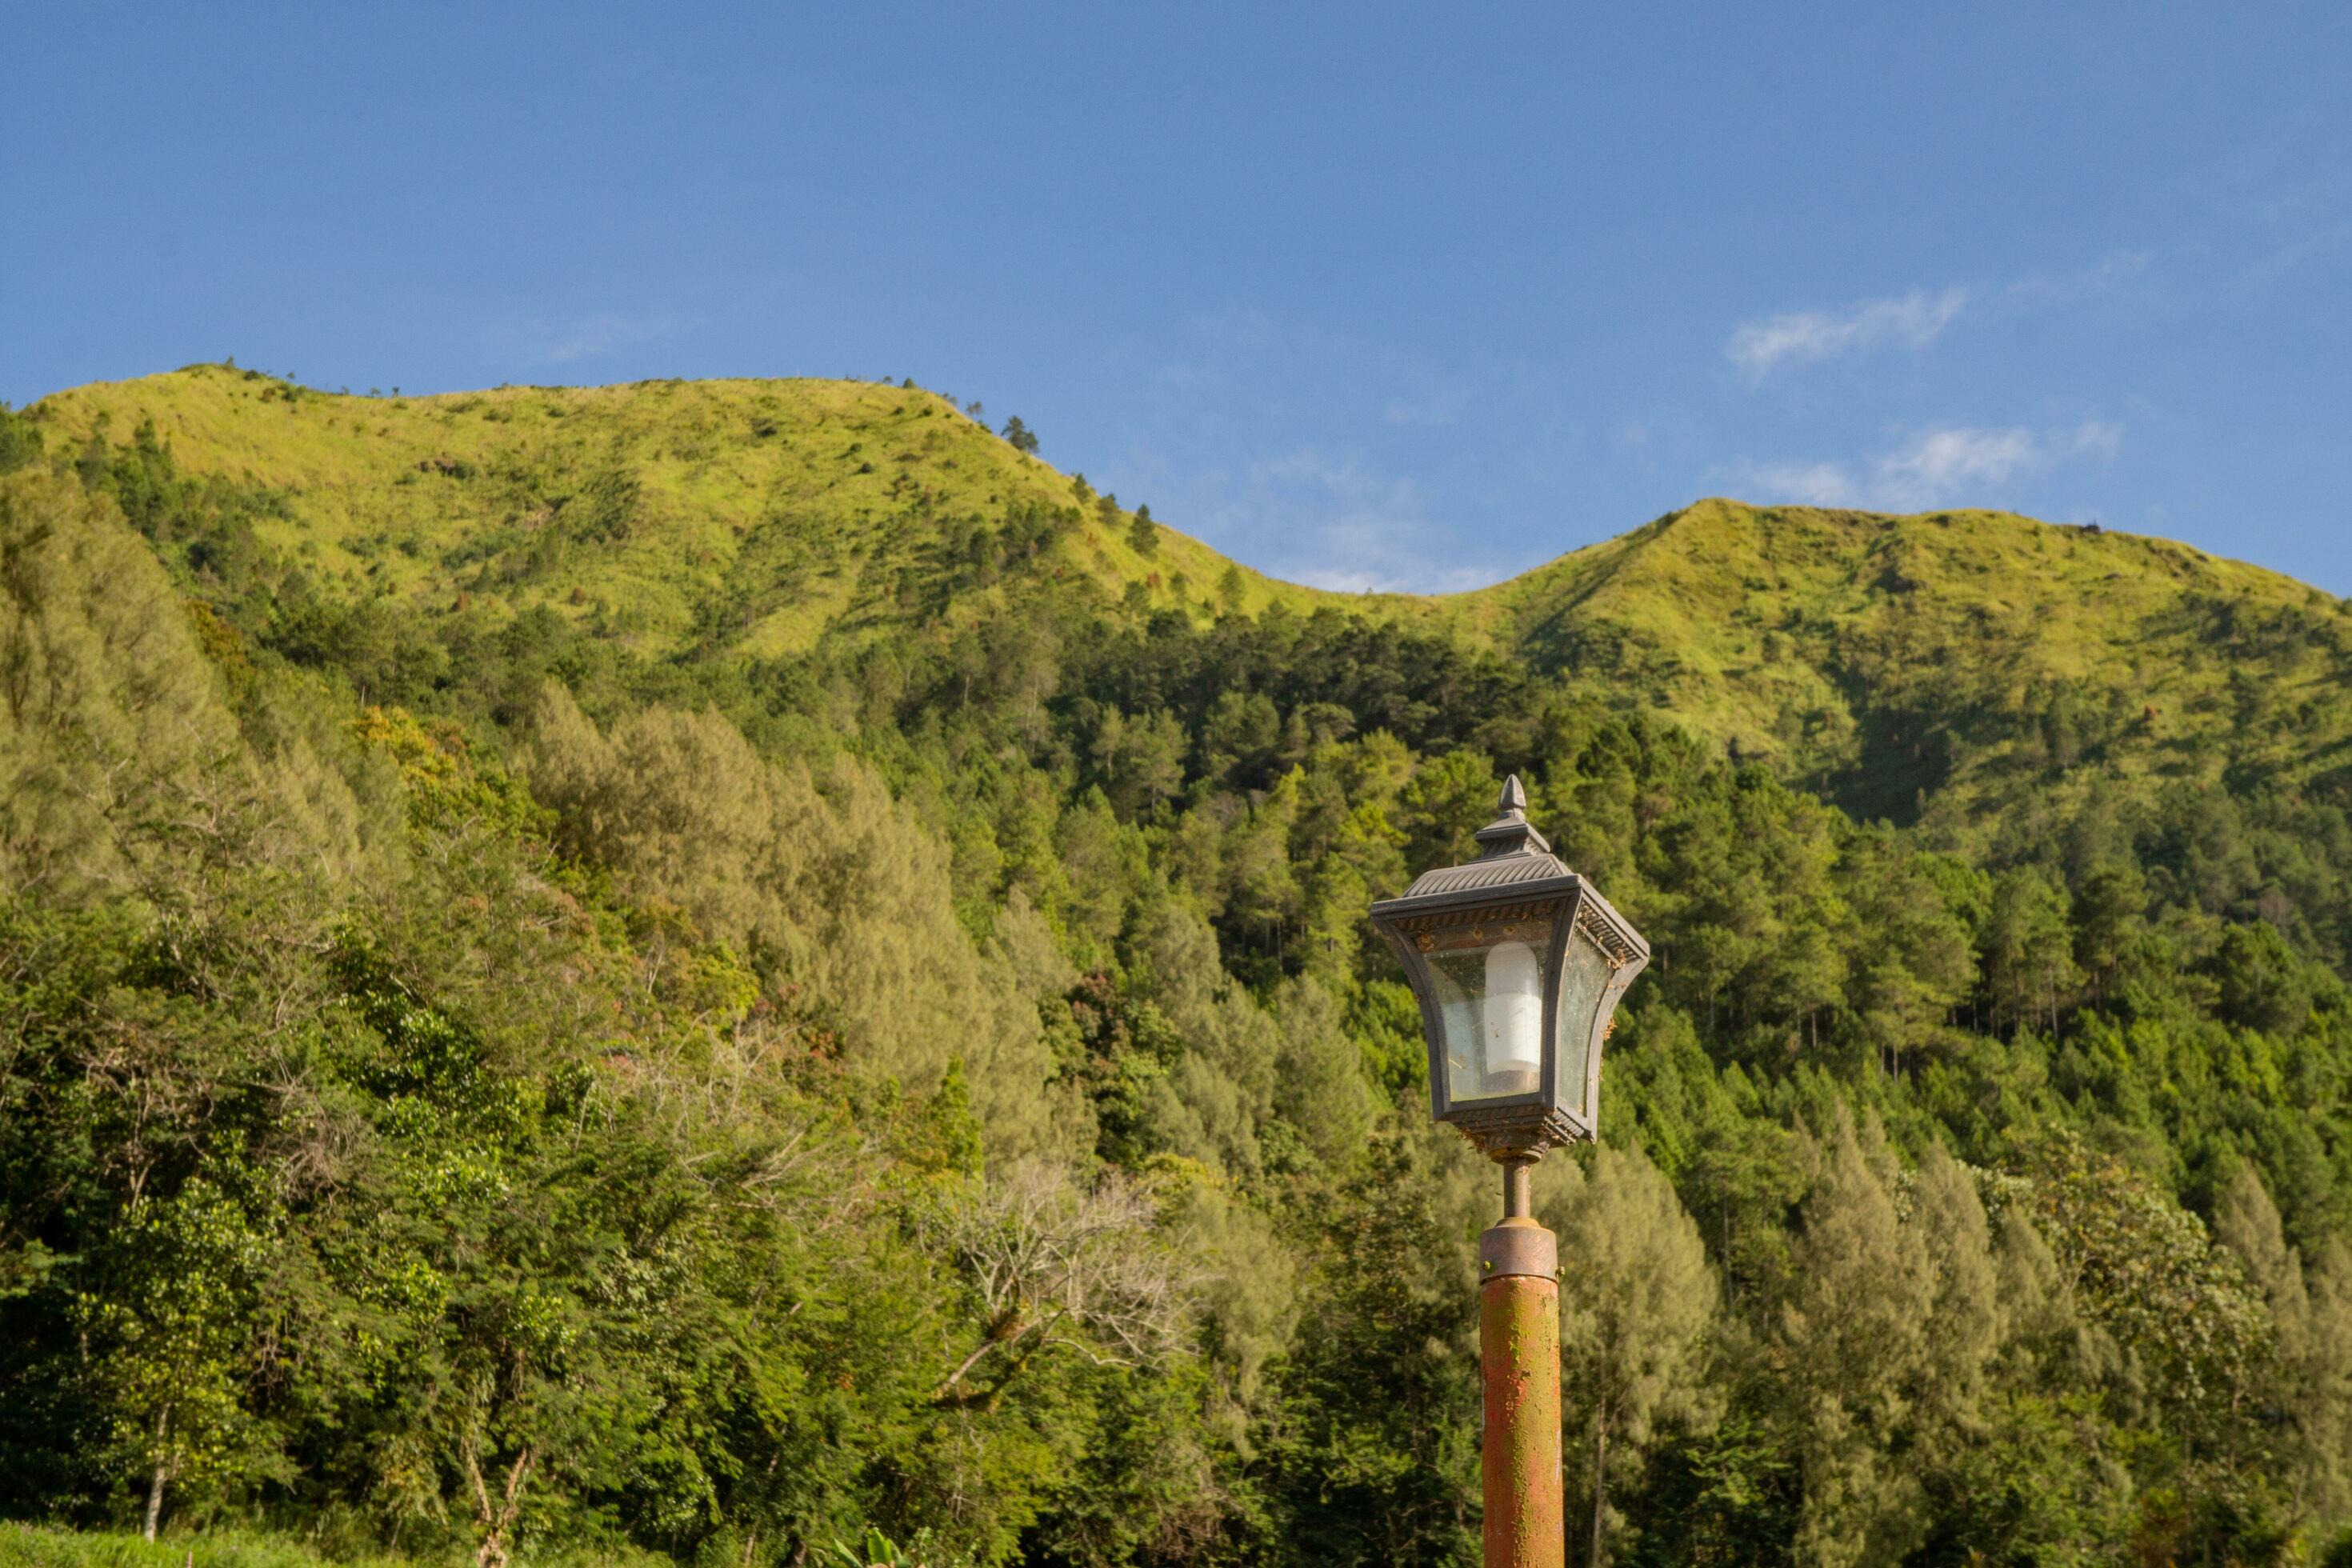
1051 1264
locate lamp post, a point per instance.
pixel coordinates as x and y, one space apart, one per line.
1519 964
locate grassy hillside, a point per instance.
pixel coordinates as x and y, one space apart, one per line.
1949 664
1888 658
794 505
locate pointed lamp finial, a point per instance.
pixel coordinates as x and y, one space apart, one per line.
1510 834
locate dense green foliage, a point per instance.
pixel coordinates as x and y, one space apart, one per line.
474 1079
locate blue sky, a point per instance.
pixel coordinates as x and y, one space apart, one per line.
1410 297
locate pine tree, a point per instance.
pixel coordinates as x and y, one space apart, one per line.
1319 1086
2030 948
1143 534
1637 1304
1856 1332
2310 1378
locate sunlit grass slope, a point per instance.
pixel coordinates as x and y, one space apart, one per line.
807 495
1887 660
1891 654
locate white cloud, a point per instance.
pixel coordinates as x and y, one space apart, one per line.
2110 273
1953 465
1363 532
1957 460
2096 439
1333 460
1911 321
553 341
1809 484
1917 318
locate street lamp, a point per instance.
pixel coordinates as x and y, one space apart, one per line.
1519 964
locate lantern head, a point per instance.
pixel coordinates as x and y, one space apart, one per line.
1519 964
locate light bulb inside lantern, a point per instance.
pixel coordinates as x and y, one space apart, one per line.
1514 1009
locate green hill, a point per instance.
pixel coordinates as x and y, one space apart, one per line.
1890 658
787 506
1888 661
690 971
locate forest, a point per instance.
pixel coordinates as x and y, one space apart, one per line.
477 1085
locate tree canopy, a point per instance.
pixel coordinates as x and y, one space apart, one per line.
478 1080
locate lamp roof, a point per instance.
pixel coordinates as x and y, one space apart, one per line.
1513 852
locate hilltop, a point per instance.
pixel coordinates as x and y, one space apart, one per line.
1890 660
1947 663
796 504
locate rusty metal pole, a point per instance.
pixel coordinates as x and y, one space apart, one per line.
1518 1347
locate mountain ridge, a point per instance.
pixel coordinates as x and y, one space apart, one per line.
75 412
1879 657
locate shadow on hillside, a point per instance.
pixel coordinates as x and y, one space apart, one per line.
1903 754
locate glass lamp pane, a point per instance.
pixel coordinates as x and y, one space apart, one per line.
1583 983
1488 975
